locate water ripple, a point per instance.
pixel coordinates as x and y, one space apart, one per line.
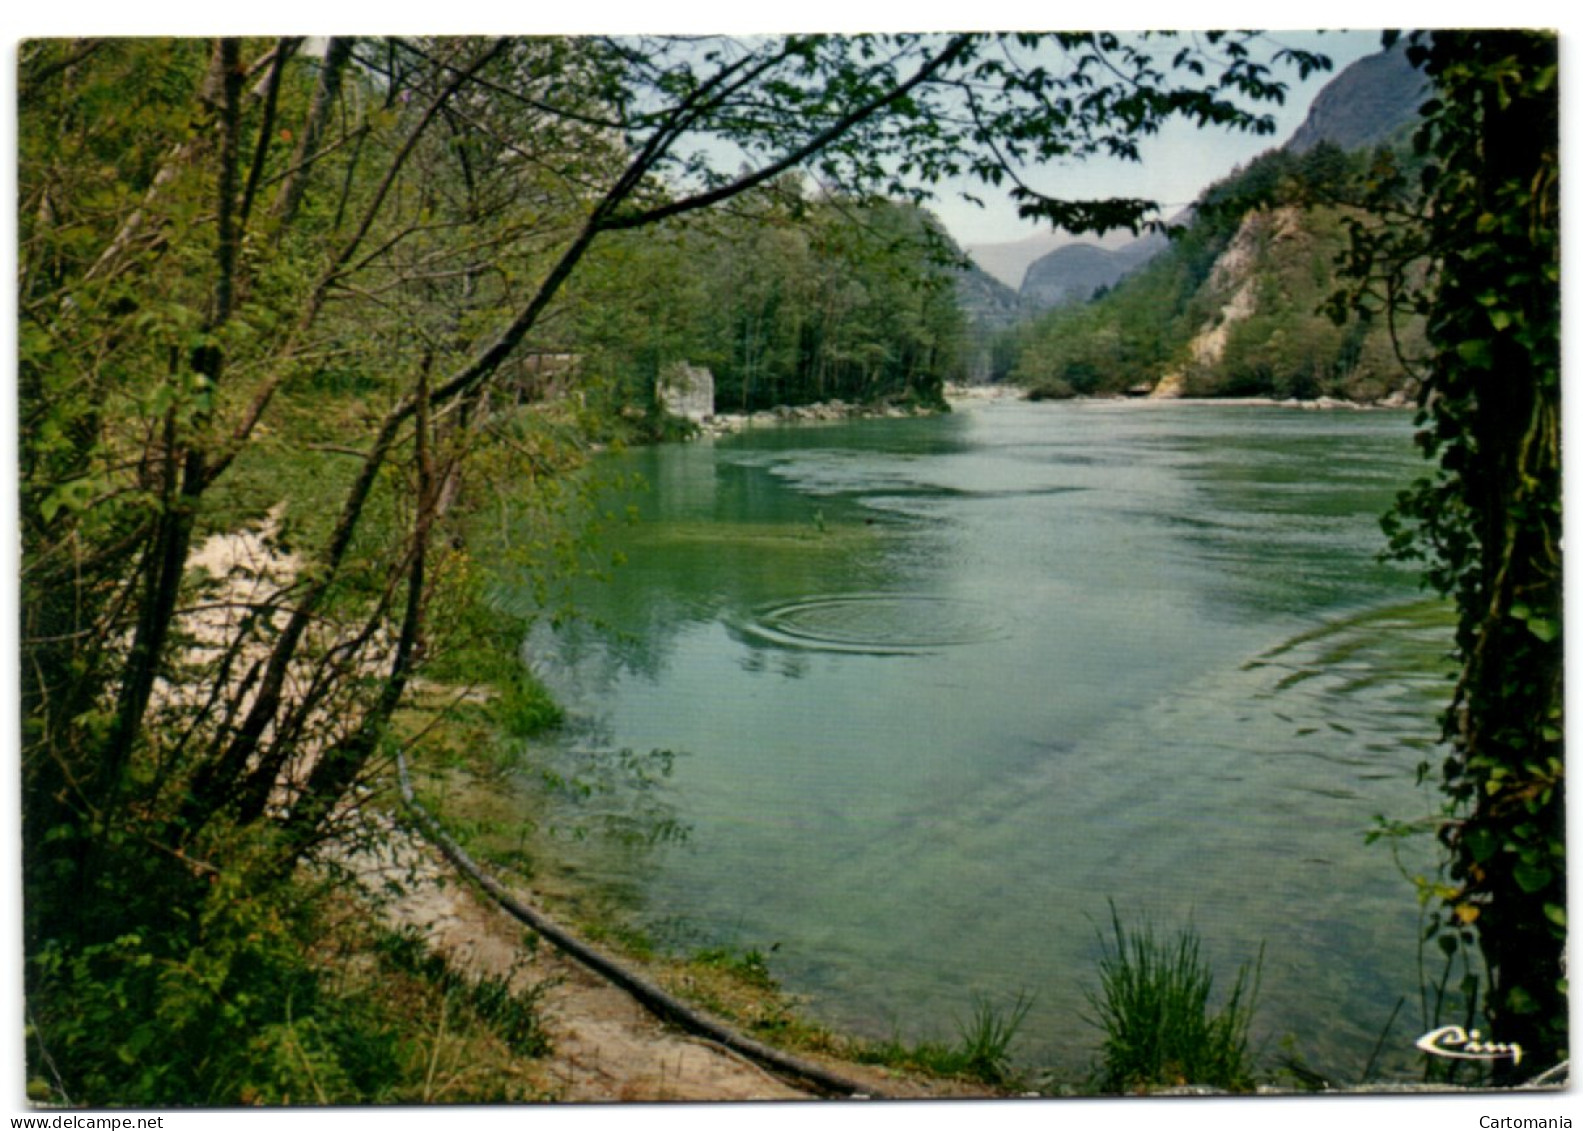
875 623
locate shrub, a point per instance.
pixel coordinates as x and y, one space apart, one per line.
1153 1004
986 1039
1050 389
982 1051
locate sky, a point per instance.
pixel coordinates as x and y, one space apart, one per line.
1176 164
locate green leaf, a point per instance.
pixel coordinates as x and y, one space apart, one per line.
1531 877
1481 843
1476 352
1520 1001
1545 629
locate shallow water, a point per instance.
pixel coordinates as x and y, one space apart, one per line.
934 691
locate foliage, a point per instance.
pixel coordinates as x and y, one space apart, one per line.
236 257
1153 1004
787 300
750 966
189 1009
1473 246
982 1051
1449 986
246 994
489 998
1284 215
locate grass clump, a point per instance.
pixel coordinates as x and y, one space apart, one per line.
1160 1031
986 1038
738 986
750 966
982 1051
488 1000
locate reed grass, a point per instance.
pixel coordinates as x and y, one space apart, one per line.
1154 1006
982 1051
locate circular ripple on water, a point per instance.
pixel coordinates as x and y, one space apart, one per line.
876 623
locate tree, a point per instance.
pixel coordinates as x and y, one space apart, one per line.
236 248
787 298
1477 251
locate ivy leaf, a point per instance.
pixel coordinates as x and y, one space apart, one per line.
72 496
1531 877
1476 352
1545 629
1481 843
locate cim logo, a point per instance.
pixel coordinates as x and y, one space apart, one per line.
1462 1044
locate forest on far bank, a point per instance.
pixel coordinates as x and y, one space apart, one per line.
1241 302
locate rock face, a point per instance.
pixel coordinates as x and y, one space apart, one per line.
991 306
1234 281
688 391
1368 104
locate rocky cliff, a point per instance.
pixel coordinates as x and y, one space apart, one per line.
1373 102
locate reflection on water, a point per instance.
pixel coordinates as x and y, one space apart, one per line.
940 688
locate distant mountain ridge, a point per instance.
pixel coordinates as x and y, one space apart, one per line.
1008 261
1075 272
1232 307
991 307
1372 102
987 301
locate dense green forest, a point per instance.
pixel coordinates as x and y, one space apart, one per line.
1278 232
341 298
785 299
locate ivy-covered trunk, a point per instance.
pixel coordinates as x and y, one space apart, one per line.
1492 516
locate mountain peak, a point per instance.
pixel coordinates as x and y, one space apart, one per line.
1367 104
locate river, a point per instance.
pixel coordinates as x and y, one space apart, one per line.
906 704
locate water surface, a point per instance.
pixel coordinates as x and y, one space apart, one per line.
933 692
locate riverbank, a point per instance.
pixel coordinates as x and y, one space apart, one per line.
394 886
968 395
823 412
838 411
606 1046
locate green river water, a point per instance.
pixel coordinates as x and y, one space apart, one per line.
932 691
